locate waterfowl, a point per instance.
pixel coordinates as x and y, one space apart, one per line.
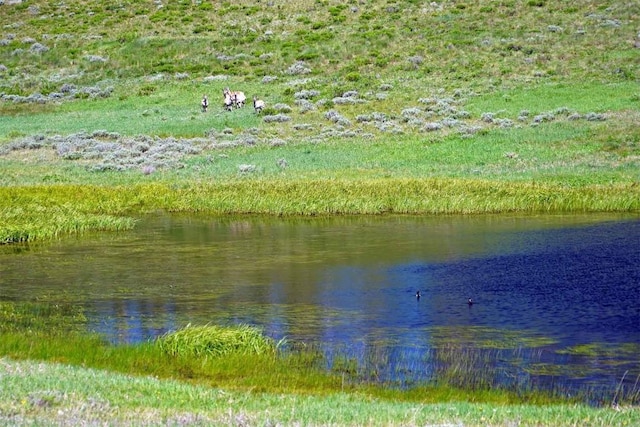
470 302
418 295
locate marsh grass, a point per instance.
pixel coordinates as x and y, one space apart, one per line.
40 316
39 220
215 341
457 373
241 358
46 212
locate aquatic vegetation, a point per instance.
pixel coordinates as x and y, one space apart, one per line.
42 316
601 350
241 356
483 337
215 341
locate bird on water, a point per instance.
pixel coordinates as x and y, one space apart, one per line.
470 302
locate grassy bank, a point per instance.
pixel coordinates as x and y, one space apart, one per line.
53 394
235 375
43 212
242 357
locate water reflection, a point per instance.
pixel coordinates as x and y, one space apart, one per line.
553 283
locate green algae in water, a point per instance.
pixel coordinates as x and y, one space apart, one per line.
41 317
603 350
489 338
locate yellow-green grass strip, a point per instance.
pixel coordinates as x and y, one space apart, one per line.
45 212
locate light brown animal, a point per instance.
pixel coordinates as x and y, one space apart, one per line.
258 104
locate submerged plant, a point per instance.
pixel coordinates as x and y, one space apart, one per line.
40 316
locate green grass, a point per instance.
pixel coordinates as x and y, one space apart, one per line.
171 109
44 212
516 106
218 374
585 97
52 394
215 341
240 357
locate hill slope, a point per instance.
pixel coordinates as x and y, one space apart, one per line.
449 44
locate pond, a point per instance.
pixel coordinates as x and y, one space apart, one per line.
556 297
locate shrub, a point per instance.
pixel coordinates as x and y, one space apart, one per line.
298 68
306 94
337 118
305 105
38 48
277 118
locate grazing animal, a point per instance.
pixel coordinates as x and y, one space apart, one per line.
238 98
228 101
204 103
258 104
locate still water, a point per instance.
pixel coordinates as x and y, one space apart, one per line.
567 286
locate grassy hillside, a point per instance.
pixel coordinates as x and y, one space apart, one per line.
476 45
327 70
386 56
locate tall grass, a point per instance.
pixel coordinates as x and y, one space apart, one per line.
215 341
45 212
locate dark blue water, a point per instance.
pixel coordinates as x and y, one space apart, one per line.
556 298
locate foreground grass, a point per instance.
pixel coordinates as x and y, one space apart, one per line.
57 394
204 375
241 357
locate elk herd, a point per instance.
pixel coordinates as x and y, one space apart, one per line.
234 99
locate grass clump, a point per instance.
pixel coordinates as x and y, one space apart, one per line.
215 341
